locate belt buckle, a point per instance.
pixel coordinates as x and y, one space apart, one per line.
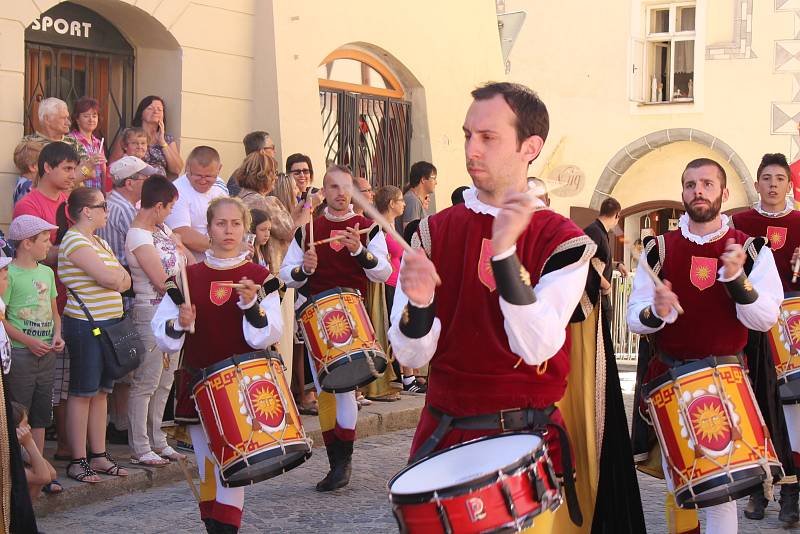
503 417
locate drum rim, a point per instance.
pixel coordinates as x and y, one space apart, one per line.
471 485
791 294
235 360
683 496
682 370
323 294
302 447
338 363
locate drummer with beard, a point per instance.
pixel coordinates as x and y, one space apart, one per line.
512 272
726 283
351 262
250 318
775 219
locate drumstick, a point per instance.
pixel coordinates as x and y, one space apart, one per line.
388 227
337 237
311 228
796 270
187 298
188 476
231 284
657 281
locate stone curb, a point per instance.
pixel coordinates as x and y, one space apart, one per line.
378 418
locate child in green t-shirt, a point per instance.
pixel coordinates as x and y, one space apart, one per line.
32 322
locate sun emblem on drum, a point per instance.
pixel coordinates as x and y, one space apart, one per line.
709 421
265 405
337 327
793 324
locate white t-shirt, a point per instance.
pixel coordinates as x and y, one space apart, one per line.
191 206
171 260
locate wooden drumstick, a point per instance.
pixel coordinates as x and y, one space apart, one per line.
231 284
657 281
796 270
311 227
337 237
388 227
186 297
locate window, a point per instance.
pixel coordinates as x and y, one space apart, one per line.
663 70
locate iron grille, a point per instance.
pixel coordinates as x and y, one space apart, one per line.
370 134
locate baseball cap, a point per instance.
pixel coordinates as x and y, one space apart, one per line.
127 166
25 226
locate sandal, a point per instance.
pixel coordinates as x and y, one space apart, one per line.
86 471
150 459
53 488
115 470
171 454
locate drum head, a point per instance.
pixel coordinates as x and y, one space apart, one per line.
265 465
464 463
347 375
327 293
237 359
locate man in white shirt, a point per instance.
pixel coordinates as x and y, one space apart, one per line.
196 189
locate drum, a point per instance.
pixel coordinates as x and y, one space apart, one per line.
792 414
785 343
250 419
711 432
483 485
341 341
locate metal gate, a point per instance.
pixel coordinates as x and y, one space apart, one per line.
371 134
69 74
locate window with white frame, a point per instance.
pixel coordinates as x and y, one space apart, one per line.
663 70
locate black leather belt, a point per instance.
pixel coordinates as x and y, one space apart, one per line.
504 421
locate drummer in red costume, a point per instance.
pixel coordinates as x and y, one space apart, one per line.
774 218
512 273
351 262
249 317
725 281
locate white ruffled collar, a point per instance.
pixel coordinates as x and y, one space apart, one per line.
472 203
788 208
683 224
336 218
224 263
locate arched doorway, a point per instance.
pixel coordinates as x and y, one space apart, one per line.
72 51
366 118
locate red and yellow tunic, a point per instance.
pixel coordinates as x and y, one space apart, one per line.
782 234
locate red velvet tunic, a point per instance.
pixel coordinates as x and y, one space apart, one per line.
218 326
473 370
782 234
335 266
708 326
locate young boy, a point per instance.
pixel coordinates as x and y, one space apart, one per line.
134 142
26 158
39 474
32 322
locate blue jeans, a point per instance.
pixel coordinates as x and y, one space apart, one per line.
86 369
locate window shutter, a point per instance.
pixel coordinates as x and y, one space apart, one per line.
636 75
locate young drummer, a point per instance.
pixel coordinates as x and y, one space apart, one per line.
775 219
350 262
250 319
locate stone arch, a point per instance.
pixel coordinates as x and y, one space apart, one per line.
630 153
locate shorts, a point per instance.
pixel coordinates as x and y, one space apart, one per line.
86 369
30 383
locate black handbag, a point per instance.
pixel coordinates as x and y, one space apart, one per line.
123 348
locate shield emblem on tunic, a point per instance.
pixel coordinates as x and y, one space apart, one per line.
266 403
337 245
219 294
485 273
710 422
776 236
703 272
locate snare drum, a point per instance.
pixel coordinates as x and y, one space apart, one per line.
483 485
250 419
341 340
785 343
711 432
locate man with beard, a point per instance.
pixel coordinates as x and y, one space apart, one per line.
745 293
775 219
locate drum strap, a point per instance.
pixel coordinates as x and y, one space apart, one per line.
509 420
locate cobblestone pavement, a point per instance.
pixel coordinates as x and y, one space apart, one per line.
289 504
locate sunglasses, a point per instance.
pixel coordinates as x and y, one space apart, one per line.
102 205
